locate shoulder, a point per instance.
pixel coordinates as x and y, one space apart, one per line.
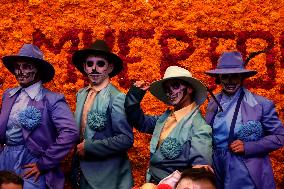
53 97
82 90
11 91
257 99
114 92
199 121
116 95
212 101
212 107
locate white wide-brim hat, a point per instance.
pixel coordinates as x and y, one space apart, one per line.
175 72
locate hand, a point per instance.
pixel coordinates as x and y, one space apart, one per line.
237 147
206 167
80 149
32 171
144 85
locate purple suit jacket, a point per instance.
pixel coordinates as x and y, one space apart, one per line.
53 139
256 159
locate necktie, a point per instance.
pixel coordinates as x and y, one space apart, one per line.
87 106
168 127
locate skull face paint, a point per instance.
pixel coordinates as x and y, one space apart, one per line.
25 73
175 91
97 69
231 83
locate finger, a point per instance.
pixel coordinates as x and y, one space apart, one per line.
234 149
29 174
210 169
31 165
138 83
36 176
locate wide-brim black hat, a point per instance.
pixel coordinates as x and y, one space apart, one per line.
31 54
98 48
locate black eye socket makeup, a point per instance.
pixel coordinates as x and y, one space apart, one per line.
99 63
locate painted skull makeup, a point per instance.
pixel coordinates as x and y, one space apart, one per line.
97 69
25 73
231 83
175 91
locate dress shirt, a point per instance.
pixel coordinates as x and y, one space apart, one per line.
223 120
14 129
173 119
93 91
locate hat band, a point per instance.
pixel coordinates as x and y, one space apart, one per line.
230 66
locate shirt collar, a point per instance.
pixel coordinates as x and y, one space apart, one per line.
100 87
179 114
32 90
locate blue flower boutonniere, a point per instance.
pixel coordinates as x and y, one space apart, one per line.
96 121
250 131
30 118
170 148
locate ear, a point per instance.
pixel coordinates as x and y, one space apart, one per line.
189 90
110 68
84 66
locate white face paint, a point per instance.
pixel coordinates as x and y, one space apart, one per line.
25 73
231 83
175 91
97 69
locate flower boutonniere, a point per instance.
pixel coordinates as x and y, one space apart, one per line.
96 121
30 118
250 131
170 148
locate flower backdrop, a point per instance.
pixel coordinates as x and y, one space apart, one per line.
150 35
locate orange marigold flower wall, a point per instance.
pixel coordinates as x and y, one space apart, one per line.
150 35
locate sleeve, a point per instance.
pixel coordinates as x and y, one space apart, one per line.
273 131
67 135
122 139
201 143
135 115
2 125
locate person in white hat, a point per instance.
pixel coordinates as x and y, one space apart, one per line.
180 137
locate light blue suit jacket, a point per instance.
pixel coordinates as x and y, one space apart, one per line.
191 138
106 164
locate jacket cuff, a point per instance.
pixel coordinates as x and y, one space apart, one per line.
134 96
248 147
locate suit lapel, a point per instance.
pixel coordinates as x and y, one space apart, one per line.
250 108
82 95
212 110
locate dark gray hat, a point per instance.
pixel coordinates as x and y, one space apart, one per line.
99 47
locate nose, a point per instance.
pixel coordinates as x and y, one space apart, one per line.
94 67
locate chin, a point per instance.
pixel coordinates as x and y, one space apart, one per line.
231 92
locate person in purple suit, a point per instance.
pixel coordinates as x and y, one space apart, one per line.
246 128
37 127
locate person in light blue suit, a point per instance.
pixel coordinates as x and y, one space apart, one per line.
246 128
180 137
105 133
